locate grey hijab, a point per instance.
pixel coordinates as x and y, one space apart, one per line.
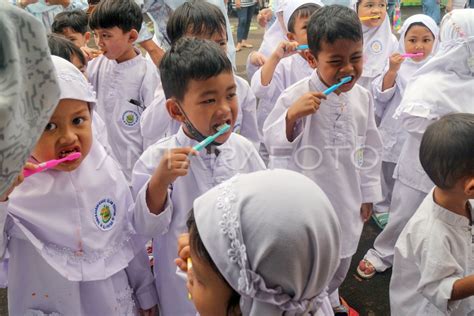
275 238
28 89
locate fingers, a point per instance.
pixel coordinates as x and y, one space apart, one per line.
182 265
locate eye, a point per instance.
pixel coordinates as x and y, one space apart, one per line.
78 120
412 40
356 58
209 101
231 95
427 40
49 127
334 62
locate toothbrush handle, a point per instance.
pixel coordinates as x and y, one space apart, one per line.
41 167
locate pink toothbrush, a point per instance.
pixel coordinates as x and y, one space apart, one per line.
51 164
412 55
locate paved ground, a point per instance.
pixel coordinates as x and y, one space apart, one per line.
367 297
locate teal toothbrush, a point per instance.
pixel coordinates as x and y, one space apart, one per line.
337 85
220 130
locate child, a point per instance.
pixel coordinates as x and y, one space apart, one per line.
333 139
123 79
419 34
432 268
73 25
201 94
287 271
82 255
65 48
285 66
450 69
202 20
379 42
273 35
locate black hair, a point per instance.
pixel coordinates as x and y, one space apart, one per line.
191 59
447 149
331 23
304 11
76 20
198 248
124 14
419 24
64 48
195 17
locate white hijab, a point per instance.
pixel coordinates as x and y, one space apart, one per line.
293 5
28 89
409 66
445 84
275 238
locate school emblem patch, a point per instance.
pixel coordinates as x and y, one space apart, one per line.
130 118
376 47
104 214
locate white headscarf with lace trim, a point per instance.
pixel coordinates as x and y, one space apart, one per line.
28 89
445 84
275 238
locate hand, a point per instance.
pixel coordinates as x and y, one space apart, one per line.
285 49
18 181
264 16
306 105
174 164
257 59
237 4
396 61
366 211
64 3
148 312
90 53
184 252
25 3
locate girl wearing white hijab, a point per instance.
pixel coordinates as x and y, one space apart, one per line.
379 42
445 84
265 243
73 250
419 34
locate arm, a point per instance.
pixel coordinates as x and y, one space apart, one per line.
368 159
306 105
283 50
155 51
248 104
463 288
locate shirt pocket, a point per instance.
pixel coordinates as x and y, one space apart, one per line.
359 151
129 113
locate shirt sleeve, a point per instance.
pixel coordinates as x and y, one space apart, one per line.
370 185
274 128
142 281
382 98
248 104
155 122
439 270
145 222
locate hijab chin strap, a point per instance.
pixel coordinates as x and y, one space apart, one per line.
196 135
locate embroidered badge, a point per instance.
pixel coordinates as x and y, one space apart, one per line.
130 118
104 214
376 47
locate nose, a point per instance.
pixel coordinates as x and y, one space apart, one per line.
224 109
98 41
68 136
347 68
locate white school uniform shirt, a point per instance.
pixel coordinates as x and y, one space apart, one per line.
379 44
116 84
237 155
329 148
156 123
72 246
288 71
433 251
386 102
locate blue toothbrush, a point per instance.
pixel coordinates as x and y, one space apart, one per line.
220 130
337 85
302 47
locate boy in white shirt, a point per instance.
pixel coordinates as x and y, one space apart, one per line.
123 79
433 264
286 65
200 89
202 20
333 138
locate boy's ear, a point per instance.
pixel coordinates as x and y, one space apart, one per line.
312 61
87 37
469 187
291 36
133 36
174 111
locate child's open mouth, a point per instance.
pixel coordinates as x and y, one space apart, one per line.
217 127
66 152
